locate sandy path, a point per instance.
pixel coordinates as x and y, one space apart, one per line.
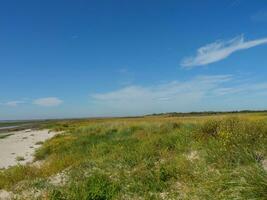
21 144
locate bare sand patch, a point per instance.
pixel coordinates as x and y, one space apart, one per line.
19 147
5 195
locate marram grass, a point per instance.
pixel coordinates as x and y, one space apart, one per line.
149 158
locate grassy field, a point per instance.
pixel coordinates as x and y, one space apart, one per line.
154 157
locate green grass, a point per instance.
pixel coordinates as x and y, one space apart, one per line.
150 158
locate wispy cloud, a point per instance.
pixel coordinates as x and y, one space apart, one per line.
243 88
220 50
165 91
199 93
13 103
260 16
235 3
48 101
175 95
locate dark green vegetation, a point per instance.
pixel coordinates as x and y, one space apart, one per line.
149 158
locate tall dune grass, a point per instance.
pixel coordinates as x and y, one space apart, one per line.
150 158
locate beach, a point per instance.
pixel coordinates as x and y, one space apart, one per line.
18 147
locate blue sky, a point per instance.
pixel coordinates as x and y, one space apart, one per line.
80 58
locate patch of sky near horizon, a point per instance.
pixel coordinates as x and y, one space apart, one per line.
73 49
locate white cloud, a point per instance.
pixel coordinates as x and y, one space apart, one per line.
165 91
220 50
48 101
13 103
171 96
212 92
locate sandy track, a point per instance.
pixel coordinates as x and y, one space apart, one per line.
21 144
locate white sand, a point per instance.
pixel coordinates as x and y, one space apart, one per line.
21 144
